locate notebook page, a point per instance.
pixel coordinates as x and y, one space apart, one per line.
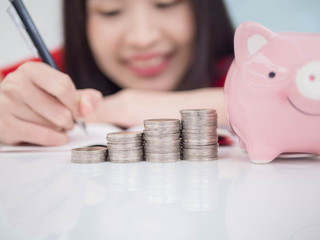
97 133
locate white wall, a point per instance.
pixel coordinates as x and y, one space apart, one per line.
47 16
278 15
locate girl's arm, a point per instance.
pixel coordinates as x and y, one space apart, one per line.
130 107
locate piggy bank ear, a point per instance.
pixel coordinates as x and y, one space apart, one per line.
249 38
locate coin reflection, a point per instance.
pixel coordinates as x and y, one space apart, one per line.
163 182
200 186
123 177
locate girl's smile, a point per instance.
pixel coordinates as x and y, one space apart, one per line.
148 65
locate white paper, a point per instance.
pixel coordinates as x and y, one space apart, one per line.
97 133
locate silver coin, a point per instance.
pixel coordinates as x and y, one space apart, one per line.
161 121
162 150
125 161
203 124
200 159
161 134
200 136
196 127
162 125
200 118
168 160
201 147
211 130
127 140
88 160
121 159
199 141
186 123
124 147
198 115
156 132
155 147
162 138
162 157
196 118
163 129
199 153
89 155
126 154
205 112
115 151
203 157
160 144
124 135
205 150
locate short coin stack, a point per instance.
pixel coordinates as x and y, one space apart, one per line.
125 147
199 134
162 140
89 155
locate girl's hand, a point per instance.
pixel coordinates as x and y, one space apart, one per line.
130 107
38 104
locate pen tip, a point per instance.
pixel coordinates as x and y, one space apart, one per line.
82 125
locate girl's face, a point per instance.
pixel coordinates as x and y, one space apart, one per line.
144 44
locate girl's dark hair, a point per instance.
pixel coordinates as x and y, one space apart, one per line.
214 40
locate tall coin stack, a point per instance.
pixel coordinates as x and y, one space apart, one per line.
162 140
125 147
199 134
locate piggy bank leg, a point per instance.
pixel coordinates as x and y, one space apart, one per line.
262 153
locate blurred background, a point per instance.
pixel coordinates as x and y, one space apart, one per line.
278 15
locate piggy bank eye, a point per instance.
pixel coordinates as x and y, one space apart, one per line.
272 74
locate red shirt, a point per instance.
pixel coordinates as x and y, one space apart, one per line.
56 54
222 68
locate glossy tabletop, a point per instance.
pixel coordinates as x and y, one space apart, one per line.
45 196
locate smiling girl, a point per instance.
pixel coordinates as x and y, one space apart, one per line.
147 58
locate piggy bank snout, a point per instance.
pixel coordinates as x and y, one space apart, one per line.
308 80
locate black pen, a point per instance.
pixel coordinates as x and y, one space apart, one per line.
37 41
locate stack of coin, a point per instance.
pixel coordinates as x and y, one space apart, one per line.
162 140
125 147
199 134
89 155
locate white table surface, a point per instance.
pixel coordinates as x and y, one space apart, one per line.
45 196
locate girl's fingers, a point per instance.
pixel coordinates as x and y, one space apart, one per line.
21 87
39 101
53 82
22 131
25 113
89 102
79 102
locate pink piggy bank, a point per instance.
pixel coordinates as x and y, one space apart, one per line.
272 92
